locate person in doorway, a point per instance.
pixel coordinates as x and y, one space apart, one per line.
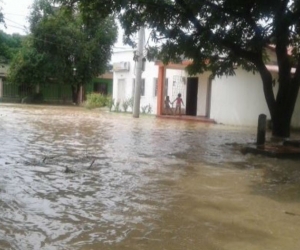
168 109
179 102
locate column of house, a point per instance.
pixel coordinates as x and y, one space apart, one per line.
160 89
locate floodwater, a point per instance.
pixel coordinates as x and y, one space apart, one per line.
139 184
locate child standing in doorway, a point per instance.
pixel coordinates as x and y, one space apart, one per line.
168 109
178 101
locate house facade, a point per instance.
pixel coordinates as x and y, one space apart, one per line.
231 100
124 74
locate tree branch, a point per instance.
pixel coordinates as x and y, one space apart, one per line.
245 15
251 56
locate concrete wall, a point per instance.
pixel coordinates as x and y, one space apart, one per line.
238 100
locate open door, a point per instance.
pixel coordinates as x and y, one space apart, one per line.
191 96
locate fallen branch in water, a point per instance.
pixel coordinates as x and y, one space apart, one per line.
293 214
91 164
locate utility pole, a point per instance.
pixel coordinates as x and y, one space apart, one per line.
139 70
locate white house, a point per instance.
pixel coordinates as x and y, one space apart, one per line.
124 69
233 100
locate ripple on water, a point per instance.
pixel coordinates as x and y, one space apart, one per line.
135 183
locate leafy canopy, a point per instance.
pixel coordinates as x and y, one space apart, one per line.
60 42
227 32
9 46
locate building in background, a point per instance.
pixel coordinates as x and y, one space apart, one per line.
124 68
233 100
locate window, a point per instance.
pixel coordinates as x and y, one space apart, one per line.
142 87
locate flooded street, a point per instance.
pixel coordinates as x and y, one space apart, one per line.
139 184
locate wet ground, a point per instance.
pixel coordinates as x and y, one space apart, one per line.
139 184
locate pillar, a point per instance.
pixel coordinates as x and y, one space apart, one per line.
160 89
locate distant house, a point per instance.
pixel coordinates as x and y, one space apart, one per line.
103 84
232 100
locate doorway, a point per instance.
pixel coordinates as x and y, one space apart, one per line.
191 96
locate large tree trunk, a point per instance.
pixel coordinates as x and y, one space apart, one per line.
281 124
282 108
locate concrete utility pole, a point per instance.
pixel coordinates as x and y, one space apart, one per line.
139 70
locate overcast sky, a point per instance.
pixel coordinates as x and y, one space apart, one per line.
15 14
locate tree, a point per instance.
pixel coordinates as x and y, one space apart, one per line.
9 46
60 44
219 35
29 67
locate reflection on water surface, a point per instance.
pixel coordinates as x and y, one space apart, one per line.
138 184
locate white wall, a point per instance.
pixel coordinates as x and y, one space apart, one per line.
238 100
124 56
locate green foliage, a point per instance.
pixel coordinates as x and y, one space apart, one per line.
216 35
59 43
95 100
130 103
9 46
110 102
125 105
117 106
29 66
147 109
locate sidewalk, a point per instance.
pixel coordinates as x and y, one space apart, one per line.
187 118
287 150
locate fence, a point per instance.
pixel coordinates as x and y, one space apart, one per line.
52 93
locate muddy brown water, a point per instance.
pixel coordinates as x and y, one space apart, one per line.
139 184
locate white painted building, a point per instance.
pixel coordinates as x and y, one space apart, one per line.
234 100
124 69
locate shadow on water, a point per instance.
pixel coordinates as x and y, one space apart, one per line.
138 184
279 178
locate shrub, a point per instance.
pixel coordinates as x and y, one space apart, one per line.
130 103
117 106
95 100
125 105
144 109
110 102
147 109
